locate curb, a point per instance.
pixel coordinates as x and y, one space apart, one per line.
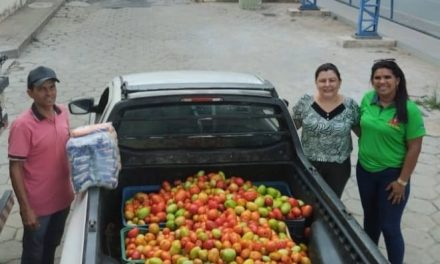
18 30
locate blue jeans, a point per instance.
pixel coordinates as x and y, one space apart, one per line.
380 216
39 245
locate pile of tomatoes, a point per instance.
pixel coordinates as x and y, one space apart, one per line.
211 218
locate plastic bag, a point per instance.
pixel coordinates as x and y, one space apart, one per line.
94 157
89 129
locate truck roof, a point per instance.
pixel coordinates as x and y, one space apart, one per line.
178 80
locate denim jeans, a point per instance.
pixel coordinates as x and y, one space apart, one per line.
380 216
39 245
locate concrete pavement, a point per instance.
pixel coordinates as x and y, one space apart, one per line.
88 43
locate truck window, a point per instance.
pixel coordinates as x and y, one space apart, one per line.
200 126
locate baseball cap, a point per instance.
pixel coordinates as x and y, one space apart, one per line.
40 74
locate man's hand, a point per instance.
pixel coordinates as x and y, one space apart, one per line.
29 219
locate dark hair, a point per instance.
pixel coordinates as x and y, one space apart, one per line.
401 96
327 67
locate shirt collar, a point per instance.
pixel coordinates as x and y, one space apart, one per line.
41 117
375 100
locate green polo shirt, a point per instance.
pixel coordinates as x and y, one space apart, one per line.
382 143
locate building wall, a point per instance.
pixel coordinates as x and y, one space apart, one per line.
8 7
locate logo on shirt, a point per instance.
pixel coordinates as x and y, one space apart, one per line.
394 122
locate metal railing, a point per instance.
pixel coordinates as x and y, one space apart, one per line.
420 15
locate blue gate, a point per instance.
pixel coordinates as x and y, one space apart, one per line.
419 15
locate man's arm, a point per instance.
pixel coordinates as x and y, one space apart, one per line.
28 216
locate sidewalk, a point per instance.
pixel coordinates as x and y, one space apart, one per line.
418 43
17 30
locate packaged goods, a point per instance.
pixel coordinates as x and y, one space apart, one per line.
94 158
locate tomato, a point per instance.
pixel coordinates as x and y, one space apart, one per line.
255 216
255 255
133 232
154 228
158 207
307 210
245 253
210 225
277 214
166 186
212 204
220 184
296 212
180 195
208 244
271 246
135 255
194 189
264 232
237 247
250 195
305 260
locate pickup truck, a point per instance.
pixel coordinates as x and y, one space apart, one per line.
172 124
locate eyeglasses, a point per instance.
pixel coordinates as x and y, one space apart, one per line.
388 59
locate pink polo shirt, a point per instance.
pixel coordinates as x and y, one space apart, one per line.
41 144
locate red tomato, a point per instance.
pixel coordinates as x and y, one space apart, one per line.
306 210
296 211
194 189
250 195
135 255
166 186
208 244
180 195
271 246
293 202
239 181
133 232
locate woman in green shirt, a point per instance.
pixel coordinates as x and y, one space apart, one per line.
389 145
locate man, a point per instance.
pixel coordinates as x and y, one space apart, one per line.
38 168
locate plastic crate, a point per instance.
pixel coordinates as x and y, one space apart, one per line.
279 185
124 231
130 191
296 229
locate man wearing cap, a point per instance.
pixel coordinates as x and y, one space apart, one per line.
38 168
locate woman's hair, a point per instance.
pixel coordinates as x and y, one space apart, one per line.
327 67
401 96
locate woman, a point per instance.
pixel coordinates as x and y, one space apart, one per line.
327 119
391 139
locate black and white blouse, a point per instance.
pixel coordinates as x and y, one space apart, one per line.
326 137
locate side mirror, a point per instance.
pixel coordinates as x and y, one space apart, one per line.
286 102
81 106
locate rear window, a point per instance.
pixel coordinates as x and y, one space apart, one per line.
200 125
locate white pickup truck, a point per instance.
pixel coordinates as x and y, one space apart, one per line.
173 124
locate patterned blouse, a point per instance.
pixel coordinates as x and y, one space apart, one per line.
326 137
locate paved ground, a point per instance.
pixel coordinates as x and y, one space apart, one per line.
89 43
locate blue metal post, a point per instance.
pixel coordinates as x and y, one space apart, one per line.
392 10
368 19
308 5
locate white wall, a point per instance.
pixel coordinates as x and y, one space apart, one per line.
8 7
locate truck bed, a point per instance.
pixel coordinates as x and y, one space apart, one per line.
330 241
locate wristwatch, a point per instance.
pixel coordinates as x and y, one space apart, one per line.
402 182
